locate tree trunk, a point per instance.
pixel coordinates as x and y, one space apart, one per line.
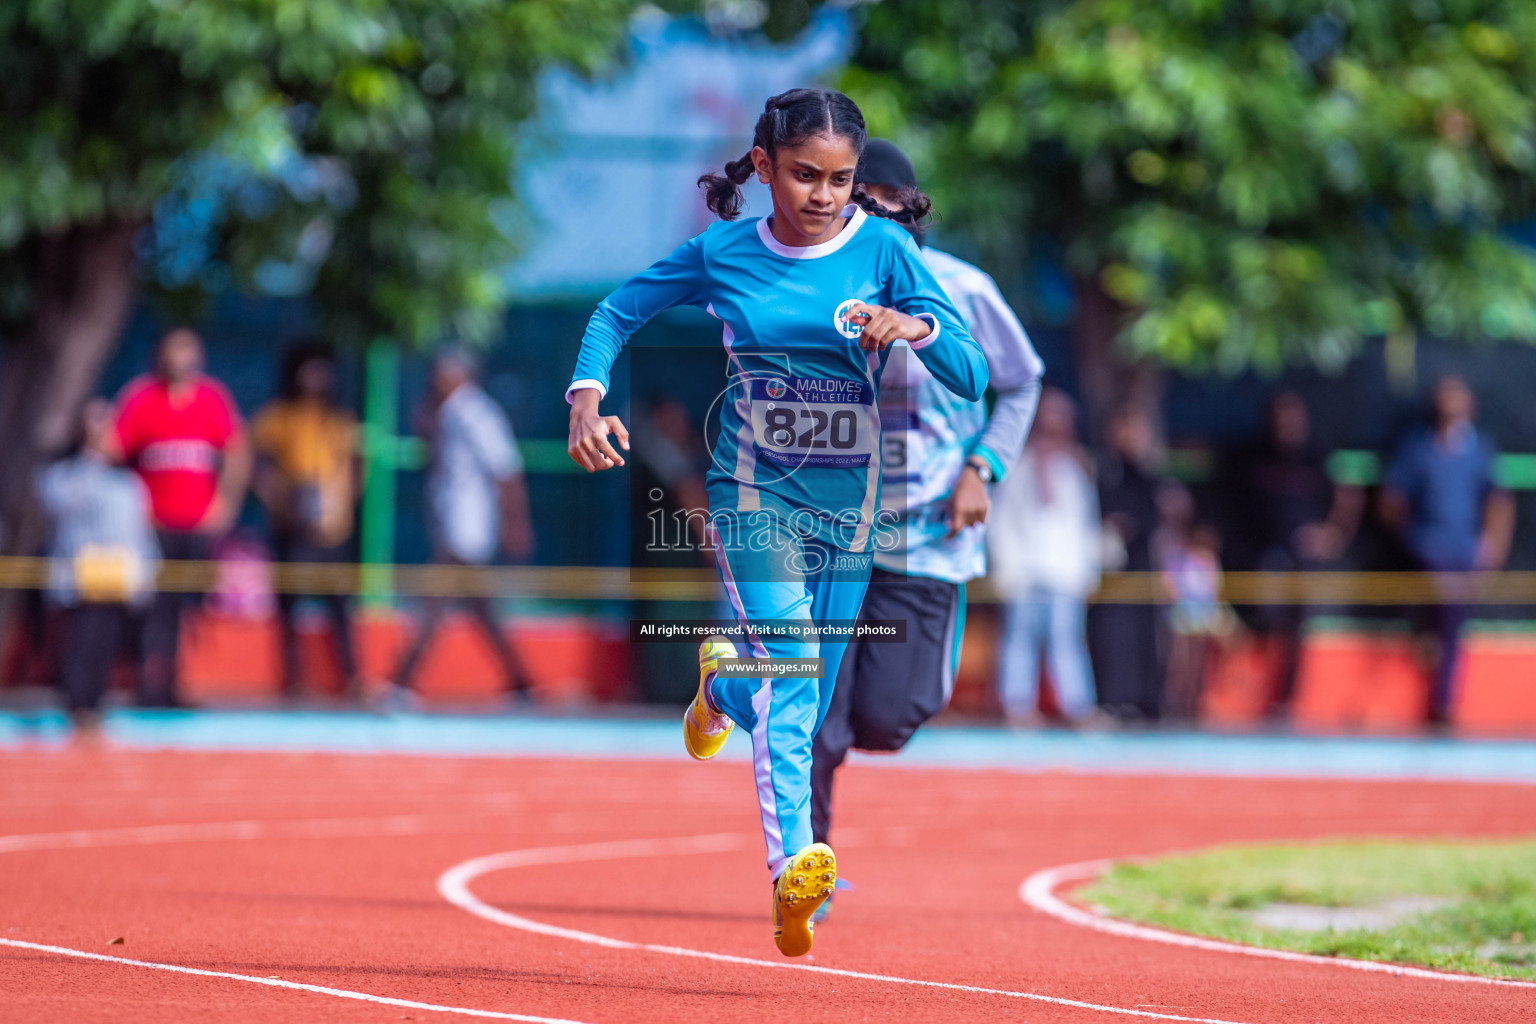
1107 376
82 296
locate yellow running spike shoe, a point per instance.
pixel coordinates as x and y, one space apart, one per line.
704 731
805 885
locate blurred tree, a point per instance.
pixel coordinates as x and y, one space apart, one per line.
360 150
1230 183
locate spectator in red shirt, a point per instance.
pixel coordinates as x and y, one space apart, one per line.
181 432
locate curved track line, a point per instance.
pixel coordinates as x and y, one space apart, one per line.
1039 892
454 886
340 993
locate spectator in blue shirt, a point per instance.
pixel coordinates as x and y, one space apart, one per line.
1440 496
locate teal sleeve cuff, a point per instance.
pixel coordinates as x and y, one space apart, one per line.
992 460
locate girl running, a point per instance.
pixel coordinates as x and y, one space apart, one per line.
810 300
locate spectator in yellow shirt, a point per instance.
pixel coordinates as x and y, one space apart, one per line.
306 478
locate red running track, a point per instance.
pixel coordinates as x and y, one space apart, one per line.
322 871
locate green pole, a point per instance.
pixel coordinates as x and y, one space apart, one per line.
381 418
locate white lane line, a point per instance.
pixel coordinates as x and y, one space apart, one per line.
313 828
137 801
454 886
340 993
1039 892
219 831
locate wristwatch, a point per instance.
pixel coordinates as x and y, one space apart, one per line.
982 467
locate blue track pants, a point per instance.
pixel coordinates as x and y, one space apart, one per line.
771 573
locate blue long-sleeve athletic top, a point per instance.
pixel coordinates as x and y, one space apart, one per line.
799 423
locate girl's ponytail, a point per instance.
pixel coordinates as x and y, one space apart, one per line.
915 208
914 204
722 192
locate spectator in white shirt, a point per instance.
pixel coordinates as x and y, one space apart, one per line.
1043 539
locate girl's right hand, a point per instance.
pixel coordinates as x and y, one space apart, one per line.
589 446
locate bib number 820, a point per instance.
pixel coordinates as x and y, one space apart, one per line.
781 427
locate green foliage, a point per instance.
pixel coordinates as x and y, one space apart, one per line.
412 104
1486 923
1258 181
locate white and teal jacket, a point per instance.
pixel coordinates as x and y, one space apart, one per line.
930 431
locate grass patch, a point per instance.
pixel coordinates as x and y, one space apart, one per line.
1486 925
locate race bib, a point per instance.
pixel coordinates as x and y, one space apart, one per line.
814 421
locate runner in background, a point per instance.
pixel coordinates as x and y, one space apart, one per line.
940 452
477 500
811 300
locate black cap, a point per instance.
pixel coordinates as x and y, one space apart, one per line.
884 163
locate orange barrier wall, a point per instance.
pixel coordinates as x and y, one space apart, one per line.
1497 689
1379 682
571 660
1366 682
1346 681
1241 684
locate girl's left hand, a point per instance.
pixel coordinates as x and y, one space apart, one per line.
883 326
968 503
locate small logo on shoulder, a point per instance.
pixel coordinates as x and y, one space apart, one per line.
840 321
